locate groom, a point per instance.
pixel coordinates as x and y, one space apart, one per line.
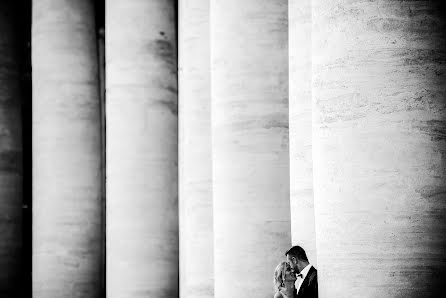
306 283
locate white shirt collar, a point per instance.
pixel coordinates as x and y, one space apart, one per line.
299 280
304 271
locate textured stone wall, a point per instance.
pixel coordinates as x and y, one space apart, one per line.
10 154
249 82
142 149
67 240
379 147
195 161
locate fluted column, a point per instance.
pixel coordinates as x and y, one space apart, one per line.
249 62
10 154
141 118
195 162
300 117
66 151
379 147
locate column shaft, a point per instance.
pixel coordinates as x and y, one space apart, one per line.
10 154
249 62
379 146
300 117
66 151
142 149
195 162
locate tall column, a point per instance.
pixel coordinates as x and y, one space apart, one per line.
142 148
249 62
66 151
379 147
195 162
300 118
10 155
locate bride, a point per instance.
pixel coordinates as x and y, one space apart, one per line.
284 281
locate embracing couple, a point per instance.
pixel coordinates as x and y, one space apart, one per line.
295 278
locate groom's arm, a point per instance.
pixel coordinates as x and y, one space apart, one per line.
312 288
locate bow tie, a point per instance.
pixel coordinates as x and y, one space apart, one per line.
300 275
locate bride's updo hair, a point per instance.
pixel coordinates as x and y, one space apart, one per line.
279 276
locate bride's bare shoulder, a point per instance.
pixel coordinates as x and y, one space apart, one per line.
278 295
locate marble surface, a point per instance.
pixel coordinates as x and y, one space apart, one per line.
379 147
300 122
142 149
67 240
195 160
249 87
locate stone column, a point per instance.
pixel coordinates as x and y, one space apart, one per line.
195 162
300 118
142 149
66 151
379 147
249 60
10 154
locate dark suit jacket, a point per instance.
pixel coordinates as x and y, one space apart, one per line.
308 289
